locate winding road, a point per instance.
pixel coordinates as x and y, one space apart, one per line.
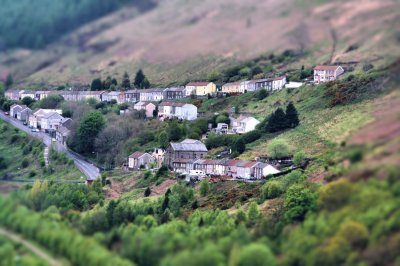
40 253
91 171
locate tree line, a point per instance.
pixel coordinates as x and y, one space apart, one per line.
140 82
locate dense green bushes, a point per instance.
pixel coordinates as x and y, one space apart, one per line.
20 27
56 236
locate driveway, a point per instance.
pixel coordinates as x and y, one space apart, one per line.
87 168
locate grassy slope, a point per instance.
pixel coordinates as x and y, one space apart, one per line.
13 155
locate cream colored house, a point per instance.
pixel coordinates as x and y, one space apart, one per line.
233 87
201 88
147 106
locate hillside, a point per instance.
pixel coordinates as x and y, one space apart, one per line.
175 44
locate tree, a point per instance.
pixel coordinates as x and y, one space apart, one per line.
298 158
126 83
9 81
50 102
114 82
145 84
174 131
256 255
272 189
278 149
28 101
223 119
292 117
238 146
298 201
107 83
89 127
163 139
253 213
139 78
204 187
276 122
96 85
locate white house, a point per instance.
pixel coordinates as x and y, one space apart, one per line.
245 125
327 73
261 170
51 121
36 117
278 83
247 86
187 112
139 159
245 169
23 114
178 110
151 95
118 96
15 108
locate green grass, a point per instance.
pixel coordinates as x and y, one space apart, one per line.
12 144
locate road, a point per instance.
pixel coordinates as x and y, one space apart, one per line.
16 238
90 170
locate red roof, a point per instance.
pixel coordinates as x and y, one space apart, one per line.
326 67
232 162
136 154
247 164
199 83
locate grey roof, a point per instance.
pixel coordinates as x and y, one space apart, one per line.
63 130
48 115
189 145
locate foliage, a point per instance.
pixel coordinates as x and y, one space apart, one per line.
141 81
89 127
50 19
298 201
256 255
298 158
238 146
291 116
96 85
346 91
52 101
28 101
126 83
204 187
262 94
278 149
251 136
272 189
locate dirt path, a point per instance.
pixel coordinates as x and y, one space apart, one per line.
16 238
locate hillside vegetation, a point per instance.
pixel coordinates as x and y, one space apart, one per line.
179 41
34 24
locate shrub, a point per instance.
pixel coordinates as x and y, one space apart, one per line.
355 233
272 189
256 255
262 94
298 158
278 149
293 177
204 187
298 201
251 136
24 163
335 195
147 192
32 174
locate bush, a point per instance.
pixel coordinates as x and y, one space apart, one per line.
25 163
278 149
298 201
298 158
251 136
32 174
355 233
262 94
204 187
272 189
335 195
256 255
147 192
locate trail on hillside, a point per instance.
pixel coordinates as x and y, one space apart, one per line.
16 238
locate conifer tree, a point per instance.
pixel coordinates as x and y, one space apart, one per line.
126 83
139 78
292 117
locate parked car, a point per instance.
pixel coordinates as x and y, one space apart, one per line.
53 139
35 130
6 113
